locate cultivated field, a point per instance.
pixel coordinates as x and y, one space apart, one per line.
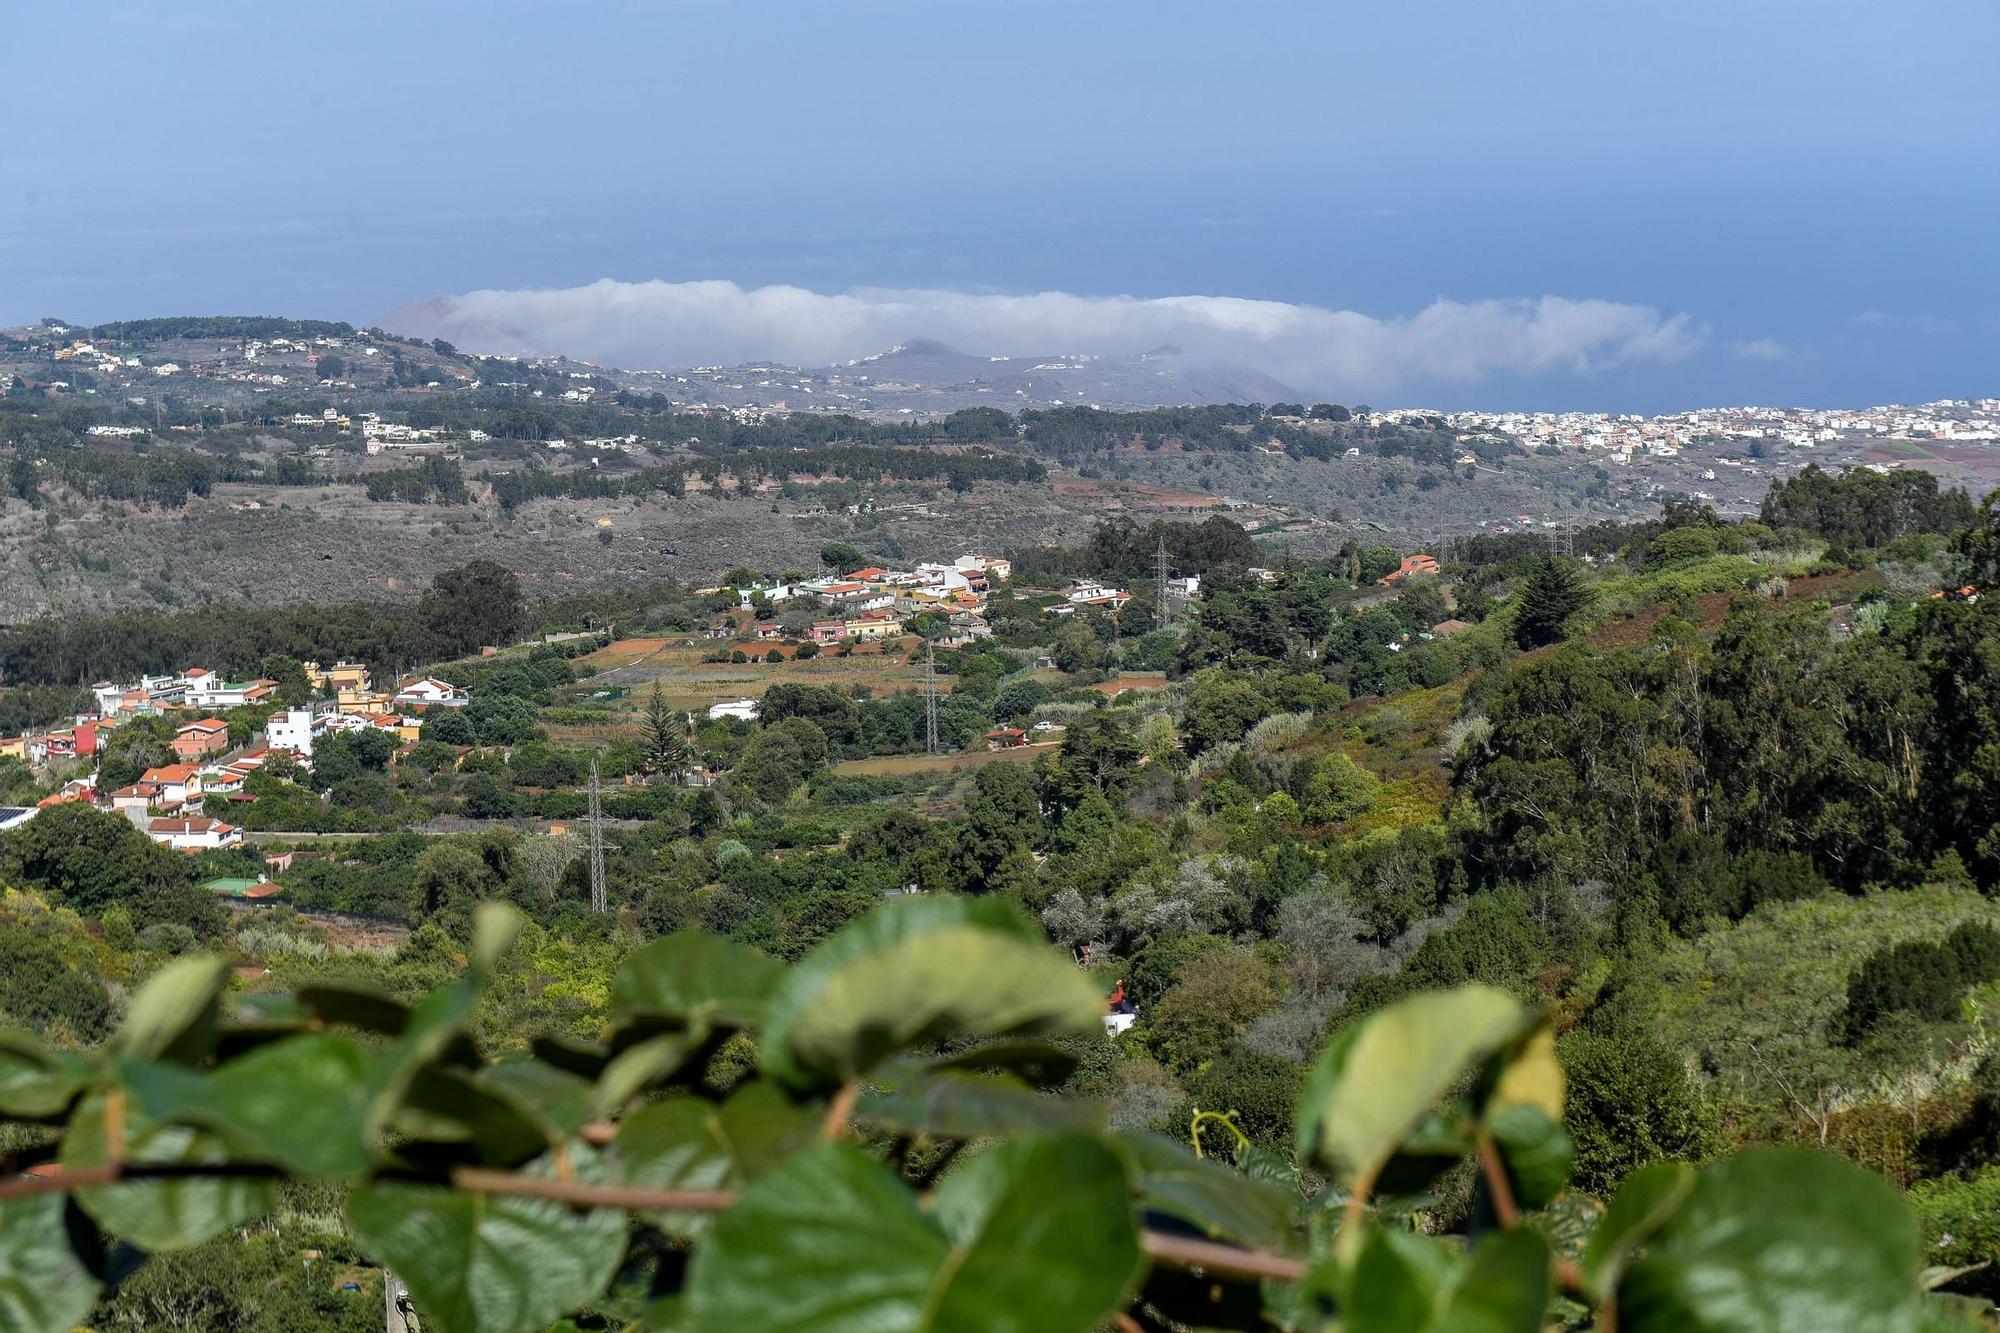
690 683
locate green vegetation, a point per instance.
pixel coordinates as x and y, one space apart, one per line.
748 1144
1548 978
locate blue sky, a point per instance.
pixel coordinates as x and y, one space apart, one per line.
1813 186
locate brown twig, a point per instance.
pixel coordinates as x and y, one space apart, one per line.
839 1110
583 1194
1177 1251
1495 1171
1221 1260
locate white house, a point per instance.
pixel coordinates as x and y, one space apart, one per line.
194 833
430 692
744 709
294 729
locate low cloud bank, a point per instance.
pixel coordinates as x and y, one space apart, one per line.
1335 352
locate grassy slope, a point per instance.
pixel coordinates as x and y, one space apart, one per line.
1778 980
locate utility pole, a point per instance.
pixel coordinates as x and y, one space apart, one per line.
599 900
931 697
1160 574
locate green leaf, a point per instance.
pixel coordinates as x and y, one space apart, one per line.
1044 1235
1035 1236
585 1059
688 1143
830 1242
435 1032
448 1106
299 1103
1536 1149
1397 1283
1223 1203
37 1083
1381 1077
1401 1282
1505 1289
692 977
555 1099
44 1286
478 1263
645 1065
956 1105
1641 1207
1780 1240
1530 1075
495 927
915 971
172 1214
360 1007
1041 1063
174 1014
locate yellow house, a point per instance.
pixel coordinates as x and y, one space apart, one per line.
340 676
14 747
348 700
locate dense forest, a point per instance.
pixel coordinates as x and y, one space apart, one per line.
1550 942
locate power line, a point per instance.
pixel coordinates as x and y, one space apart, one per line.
1160 574
599 899
931 697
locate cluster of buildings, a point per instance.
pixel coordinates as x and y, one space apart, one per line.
170 802
874 602
1622 435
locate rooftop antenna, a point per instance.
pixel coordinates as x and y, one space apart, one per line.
930 698
599 899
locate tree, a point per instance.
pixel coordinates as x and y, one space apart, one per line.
1220 709
448 726
449 878
1212 1002
663 736
294 687
1074 647
471 605
842 557
130 750
1552 594
1628 1101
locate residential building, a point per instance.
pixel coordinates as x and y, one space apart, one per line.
1413 566
179 786
208 736
294 730
430 692
193 833
744 710
339 676
1006 738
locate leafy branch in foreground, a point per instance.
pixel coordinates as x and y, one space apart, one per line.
894 1161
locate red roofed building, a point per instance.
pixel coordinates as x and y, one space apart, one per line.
193 833
179 784
1413 566
1006 738
197 739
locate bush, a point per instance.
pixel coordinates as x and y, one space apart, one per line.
1628 1101
1961 1225
1920 977
1261 1089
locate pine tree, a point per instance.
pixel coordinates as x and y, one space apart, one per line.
1554 593
663 737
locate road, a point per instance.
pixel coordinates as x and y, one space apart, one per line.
401 1316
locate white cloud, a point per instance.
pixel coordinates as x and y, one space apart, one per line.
656 324
1768 350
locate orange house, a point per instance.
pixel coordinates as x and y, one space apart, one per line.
196 739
